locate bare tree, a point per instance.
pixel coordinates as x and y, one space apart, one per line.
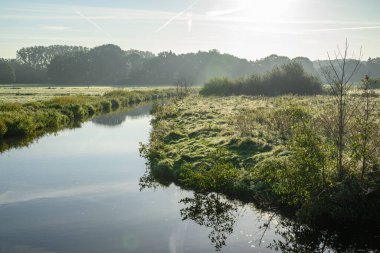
338 74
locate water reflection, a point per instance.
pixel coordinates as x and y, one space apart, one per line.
212 211
117 118
304 239
219 214
17 142
108 120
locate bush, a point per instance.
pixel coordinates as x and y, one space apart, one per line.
287 79
218 87
19 124
284 119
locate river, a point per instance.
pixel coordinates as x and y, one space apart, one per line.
78 191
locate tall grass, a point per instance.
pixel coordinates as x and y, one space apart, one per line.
33 118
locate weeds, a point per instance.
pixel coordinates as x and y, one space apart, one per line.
36 118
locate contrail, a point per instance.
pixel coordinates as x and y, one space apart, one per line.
176 16
90 21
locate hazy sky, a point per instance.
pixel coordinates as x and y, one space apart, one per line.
247 28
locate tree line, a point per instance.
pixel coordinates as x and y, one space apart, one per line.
110 65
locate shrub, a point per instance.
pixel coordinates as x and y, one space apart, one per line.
287 79
283 120
218 87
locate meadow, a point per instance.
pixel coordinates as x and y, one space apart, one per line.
19 93
273 151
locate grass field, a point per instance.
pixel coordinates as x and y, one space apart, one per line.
29 93
275 151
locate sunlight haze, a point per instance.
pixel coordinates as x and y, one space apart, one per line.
250 29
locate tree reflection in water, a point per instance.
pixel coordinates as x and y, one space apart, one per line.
304 239
212 211
297 238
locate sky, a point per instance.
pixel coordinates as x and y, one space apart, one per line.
250 29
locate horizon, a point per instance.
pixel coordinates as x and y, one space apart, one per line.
241 28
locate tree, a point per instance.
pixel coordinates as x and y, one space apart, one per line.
7 74
365 140
69 68
338 75
39 57
107 64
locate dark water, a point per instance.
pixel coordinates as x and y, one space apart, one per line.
79 191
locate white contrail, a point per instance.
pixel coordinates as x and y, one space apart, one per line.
176 16
91 22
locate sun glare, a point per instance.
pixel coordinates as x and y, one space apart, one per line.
264 9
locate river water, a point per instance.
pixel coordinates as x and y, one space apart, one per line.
78 191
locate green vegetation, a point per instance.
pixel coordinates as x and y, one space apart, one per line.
37 93
31 119
110 65
287 79
275 151
315 159
7 74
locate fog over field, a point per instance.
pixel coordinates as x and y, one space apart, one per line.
251 29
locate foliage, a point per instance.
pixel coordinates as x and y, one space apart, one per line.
35 118
7 74
39 57
287 79
285 119
108 64
270 150
218 176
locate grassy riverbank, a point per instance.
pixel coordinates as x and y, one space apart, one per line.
270 150
26 120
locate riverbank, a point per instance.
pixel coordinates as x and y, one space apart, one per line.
269 150
27 120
